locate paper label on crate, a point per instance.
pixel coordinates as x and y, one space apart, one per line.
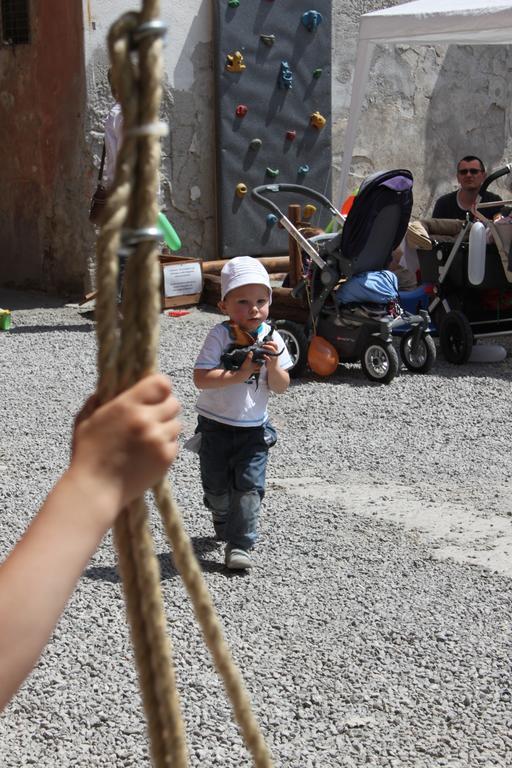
182 279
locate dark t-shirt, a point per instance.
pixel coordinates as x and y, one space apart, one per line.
446 207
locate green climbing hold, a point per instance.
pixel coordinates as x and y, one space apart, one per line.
272 172
233 3
317 73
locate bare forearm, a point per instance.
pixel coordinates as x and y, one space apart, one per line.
218 378
278 380
40 574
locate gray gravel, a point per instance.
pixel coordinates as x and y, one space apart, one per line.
361 645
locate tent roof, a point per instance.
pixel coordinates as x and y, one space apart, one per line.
440 21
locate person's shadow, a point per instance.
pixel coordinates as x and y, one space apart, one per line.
202 545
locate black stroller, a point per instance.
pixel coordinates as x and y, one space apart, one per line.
375 225
471 279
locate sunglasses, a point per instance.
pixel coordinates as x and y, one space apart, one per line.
472 171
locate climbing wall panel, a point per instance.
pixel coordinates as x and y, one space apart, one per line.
273 108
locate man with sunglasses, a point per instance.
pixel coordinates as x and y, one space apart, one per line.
455 205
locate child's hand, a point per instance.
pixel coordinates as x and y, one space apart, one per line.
124 447
249 367
271 361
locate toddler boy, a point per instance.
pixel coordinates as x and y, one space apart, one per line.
233 420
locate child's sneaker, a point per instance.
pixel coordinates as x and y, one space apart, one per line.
237 559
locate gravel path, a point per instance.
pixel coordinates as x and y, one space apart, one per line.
374 629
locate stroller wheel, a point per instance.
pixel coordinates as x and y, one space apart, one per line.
297 345
423 357
456 337
380 361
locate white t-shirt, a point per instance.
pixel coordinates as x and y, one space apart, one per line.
240 405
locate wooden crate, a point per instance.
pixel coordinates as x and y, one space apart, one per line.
182 281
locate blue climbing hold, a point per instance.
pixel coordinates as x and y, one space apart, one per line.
303 169
311 20
271 219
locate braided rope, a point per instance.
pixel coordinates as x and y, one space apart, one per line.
126 353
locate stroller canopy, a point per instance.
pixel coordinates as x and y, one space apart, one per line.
377 221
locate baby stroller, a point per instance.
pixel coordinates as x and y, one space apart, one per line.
471 279
359 331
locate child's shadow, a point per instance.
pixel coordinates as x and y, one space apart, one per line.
202 545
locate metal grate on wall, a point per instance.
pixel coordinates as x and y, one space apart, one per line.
15 27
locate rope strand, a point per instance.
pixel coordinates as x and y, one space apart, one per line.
125 355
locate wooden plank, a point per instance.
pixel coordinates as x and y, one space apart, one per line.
271 264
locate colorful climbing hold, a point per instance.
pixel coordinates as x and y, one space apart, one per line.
317 72
317 120
291 135
273 172
303 169
241 110
308 211
235 62
233 3
311 20
271 219
268 40
255 144
285 76
241 189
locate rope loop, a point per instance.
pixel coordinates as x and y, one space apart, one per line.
127 351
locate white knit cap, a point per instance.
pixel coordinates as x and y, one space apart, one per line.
243 270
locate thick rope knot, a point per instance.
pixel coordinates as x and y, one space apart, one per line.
127 351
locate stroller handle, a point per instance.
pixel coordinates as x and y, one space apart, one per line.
493 176
259 192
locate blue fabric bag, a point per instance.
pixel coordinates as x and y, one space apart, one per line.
372 287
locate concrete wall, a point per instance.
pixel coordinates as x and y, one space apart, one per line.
424 108
188 154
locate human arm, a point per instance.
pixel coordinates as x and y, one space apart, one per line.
218 378
278 379
119 450
437 213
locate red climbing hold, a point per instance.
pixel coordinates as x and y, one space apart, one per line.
291 135
241 110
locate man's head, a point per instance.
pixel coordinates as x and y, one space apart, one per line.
470 173
245 292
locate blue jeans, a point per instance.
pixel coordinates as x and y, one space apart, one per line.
233 463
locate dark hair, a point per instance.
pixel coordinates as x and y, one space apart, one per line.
470 159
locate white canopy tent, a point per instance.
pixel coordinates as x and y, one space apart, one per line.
460 22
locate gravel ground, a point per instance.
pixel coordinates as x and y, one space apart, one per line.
366 638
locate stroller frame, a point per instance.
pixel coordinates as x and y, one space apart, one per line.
354 332
456 307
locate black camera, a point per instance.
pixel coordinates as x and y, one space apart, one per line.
233 359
